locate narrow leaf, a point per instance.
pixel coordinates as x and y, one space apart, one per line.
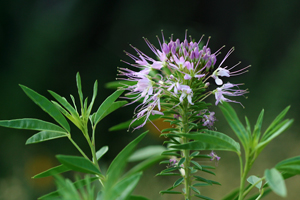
77 184
232 194
178 182
78 82
144 165
118 164
63 101
209 140
31 124
79 164
275 122
106 104
125 125
291 165
235 124
124 188
45 136
137 198
195 189
146 152
101 152
47 106
257 128
53 171
203 197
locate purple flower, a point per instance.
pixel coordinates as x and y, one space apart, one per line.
209 119
224 72
226 89
214 156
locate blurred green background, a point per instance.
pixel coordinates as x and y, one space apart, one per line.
44 43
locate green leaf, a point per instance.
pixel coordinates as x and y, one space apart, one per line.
235 124
209 140
195 189
77 184
144 165
103 109
169 192
125 125
47 106
232 194
101 152
78 82
114 106
203 197
45 136
291 165
181 161
275 122
123 188
137 198
196 164
117 84
95 91
253 180
63 101
79 164
254 197
257 128
117 165
31 124
276 182
50 172
178 182
146 152
280 128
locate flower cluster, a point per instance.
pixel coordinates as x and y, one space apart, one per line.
179 74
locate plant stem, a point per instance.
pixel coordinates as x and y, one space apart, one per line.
186 153
243 175
77 147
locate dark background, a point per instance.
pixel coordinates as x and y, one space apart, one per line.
43 44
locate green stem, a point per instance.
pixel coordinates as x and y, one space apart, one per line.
186 153
77 147
243 175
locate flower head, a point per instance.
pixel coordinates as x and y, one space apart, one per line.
177 76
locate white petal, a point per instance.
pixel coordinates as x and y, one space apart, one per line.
218 81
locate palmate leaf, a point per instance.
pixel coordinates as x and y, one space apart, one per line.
235 124
47 106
